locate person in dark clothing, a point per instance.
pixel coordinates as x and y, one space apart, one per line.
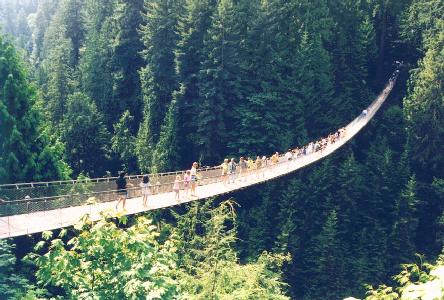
122 189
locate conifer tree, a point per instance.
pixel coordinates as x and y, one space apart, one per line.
209 267
12 285
126 60
353 51
351 189
269 117
24 146
61 53
39 23
85 136
438 188
58 71
69 14
167 152
316 86
96 62
219 83
158 77
193 26
327 269
124 143
402 237
424 110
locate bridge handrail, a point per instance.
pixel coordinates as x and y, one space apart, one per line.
90 180
169 183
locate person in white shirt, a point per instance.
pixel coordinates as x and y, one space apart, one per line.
145 185
289 155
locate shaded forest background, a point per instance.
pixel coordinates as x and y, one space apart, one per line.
89 87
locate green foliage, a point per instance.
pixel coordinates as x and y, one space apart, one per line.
85 136
192 27
38 23
12 285
96 60
196 260
25 153
167 151
328 261
158 77
420 24
209 267
422 281
219 83
438 187
106 261
126 61
402 237
424 110
123 142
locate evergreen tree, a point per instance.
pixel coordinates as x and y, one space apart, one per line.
39 23
158 77
385 15
167 152
259 228
124 143
61 50
438 187
316 86
71 14
353 52
96 61
126 61
219 83
192 27
420 24
327 269
85 136
12 285
60 81
25 152
402 237
290 218
269 117
424 110
208 265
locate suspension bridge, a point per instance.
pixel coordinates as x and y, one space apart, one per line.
27 208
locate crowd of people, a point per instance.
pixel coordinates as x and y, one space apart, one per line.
231 171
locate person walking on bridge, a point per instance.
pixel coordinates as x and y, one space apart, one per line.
224 167
186 182
232 171
176 188
258 165
193 173
242 168
122 191
145 185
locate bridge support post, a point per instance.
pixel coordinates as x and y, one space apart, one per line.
8 211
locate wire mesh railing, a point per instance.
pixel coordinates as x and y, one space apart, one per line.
78 195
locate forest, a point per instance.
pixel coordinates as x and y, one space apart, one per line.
91 87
